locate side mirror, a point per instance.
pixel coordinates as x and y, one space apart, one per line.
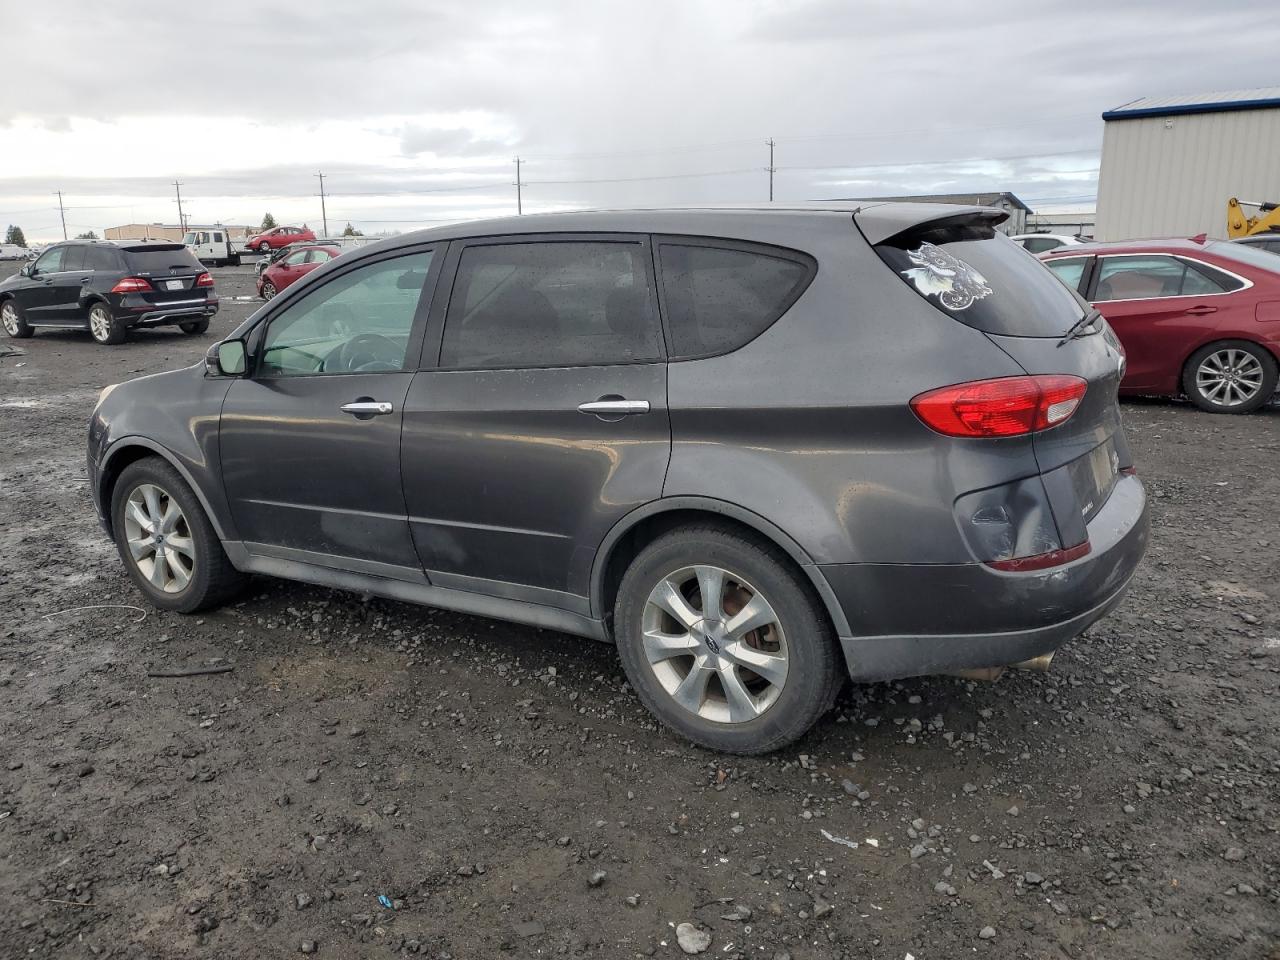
27 271
226 359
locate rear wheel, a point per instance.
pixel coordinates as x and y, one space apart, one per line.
167 543
724 642
195 327
103 327
15 325
1231 376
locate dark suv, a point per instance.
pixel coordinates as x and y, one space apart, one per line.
756 449
109 288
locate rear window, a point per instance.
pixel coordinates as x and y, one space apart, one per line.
720 298
984 280
161 259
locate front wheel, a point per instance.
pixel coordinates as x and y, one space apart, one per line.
166 541
103 327
15 325
1231 376
724 642
194 328
268 291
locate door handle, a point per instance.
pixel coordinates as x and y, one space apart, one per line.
86 279
364 409
614 408
1200 311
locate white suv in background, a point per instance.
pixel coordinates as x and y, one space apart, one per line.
1044 242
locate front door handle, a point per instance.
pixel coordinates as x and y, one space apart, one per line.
614 408
364 409
1200 311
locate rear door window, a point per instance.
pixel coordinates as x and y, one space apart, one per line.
551 304
101 259
981 278
74 259
719 298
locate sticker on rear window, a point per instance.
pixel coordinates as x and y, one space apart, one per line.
936 272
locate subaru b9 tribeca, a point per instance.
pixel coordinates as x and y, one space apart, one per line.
758 450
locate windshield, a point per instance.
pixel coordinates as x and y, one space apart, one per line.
984 280
1245 253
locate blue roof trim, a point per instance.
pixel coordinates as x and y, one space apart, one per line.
1121 113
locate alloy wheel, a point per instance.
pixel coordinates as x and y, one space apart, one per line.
715 644
9 317
159 538
100 323
1230 377
268 290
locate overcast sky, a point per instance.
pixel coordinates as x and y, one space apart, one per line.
415 109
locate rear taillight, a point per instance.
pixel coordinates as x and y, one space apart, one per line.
204 280
131 285
1042 561
1004 407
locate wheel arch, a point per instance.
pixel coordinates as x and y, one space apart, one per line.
128 450
1221 337
644 524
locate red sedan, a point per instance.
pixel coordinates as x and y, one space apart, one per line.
294 267
1195 317
278 237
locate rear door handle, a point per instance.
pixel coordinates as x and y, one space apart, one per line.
1200 311
364 409
614 408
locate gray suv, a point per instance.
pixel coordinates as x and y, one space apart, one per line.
758 450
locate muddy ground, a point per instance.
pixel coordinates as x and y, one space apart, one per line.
375 779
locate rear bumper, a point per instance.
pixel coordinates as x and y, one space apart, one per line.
153 315
922 619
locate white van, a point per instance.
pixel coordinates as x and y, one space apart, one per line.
214 246
11 251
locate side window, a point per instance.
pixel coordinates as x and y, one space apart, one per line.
217 238
51 260
719 299
553 303
74 259
318 256
202 238
294 259
1069 270
358 322
1041 244
101 259
1139 278
1201 279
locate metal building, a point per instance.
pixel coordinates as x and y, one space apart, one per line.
1170 164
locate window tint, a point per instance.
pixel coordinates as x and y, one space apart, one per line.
1069 270
359 322
718 299
571 303
161 259
51 260
102 258
74 259
1152 277
217 238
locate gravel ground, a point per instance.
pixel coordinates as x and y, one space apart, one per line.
375 779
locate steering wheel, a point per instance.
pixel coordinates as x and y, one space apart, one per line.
363 353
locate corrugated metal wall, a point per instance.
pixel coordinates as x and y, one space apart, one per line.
1172 176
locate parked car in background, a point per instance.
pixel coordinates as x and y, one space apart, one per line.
748 493
109 288
214 246
11 251
299 259
1044 242
1269 242
278 237
1196 317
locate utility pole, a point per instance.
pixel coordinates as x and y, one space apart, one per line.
519 200
324 215
770 168
63 214
182 221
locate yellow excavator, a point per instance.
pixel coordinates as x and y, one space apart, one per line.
1240 225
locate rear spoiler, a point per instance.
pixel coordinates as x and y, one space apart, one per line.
888 221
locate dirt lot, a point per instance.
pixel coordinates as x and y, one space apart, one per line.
377 780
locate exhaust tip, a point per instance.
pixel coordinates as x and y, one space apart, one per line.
1039 664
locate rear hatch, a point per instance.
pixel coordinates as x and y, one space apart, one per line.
977 276
170 268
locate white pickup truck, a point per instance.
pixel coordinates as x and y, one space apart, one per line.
214 246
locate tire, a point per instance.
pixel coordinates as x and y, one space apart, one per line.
196 552
268 290
103 327
804 672
14 323
1230 376
194 328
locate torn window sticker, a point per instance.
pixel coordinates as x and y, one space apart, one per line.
937 273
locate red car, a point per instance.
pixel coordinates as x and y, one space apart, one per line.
278 237
294 267
1195 317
